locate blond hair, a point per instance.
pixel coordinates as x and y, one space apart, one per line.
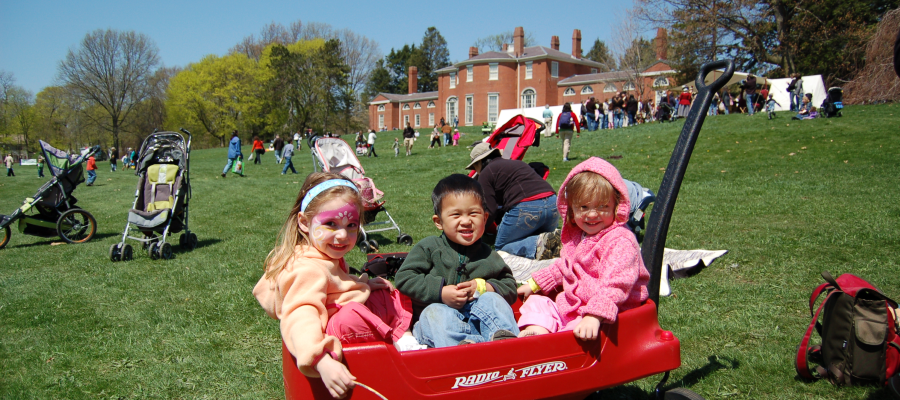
290 235
586 186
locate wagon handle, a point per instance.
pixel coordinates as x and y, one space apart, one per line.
658 225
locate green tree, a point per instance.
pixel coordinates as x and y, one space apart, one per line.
379 81
434 56
600 53
21 113
304 80
216 95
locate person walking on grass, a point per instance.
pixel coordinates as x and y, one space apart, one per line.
565 125
113 158
287 153
9 165
91 170
258 149
371 142
396 147
548 120
278 146
409 138
234 153
40 165
750 93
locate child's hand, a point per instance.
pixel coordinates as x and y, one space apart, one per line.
378 283
453 297
588 328
469 287
524 291
335 376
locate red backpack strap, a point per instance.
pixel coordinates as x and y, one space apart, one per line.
815 295
802 365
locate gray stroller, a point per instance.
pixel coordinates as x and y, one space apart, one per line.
161 199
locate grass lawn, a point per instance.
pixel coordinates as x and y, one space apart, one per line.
788 199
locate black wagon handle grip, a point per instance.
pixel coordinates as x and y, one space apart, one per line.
658 225
716 85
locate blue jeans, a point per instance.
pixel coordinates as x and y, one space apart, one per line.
795 102
604 121
443 326
749 98
112 165
228 166
288 164
92 176
591 122
631 120
278 156
517 232
617 119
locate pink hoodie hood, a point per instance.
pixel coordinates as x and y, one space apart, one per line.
571 235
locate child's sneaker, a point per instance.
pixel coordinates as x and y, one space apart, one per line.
407 343
548 246
465 342
501 334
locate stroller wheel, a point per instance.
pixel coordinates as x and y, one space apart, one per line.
405 239
192 241
165 251
363 246
114 254
127 253
682 394
153 250
182 240
76 226
373 245
5 239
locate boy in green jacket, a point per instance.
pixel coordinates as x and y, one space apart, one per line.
461 289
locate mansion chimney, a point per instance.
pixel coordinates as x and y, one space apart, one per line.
505 47
473 52
519 41
554 43
662 44
576 43
413 79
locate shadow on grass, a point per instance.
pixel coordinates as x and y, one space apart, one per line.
49 241
200 244
714 363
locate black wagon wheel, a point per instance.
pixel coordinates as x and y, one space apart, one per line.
373 244
405 239
76 226
682 394
5 239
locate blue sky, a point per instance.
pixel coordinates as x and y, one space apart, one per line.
36 34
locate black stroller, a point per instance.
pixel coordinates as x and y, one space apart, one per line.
161 199
51 211
665 112
834 103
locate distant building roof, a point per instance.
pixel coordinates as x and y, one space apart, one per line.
598 77
404 98
528 53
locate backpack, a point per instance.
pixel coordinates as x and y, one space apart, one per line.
858 330
565 121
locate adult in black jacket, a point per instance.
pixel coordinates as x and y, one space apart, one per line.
409 137
631 109
525 200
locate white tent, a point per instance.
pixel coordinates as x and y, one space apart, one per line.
811 84
777 87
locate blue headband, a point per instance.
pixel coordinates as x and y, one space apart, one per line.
318 189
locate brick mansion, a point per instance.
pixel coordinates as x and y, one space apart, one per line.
475 90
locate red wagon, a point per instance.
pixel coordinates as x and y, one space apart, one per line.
548 366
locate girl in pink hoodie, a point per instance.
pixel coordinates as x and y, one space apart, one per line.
600 271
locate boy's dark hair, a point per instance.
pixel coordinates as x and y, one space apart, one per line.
457 184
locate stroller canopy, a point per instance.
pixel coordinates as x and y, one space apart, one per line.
161 148
515 136
337 157
59 161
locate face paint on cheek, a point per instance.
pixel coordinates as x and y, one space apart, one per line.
327 224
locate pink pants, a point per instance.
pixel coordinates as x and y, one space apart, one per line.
384 318
541 311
